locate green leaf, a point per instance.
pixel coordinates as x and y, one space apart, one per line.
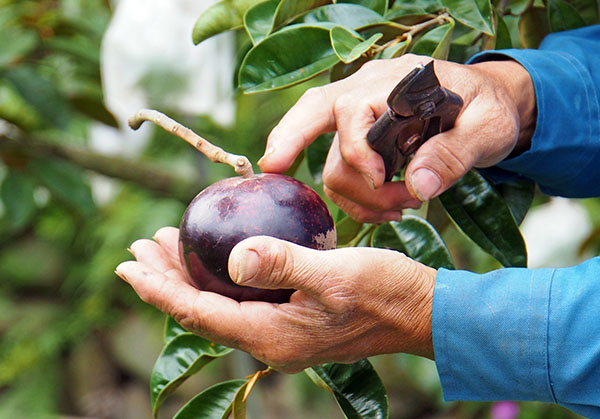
183 356
40 93
503 40
16 45
17 197
172 329
416 238
483 215
213 403
518 7
518 196
349 47
476 14
347 229
258 20
289 10
533 27
357 388
379 6
316 155
418 7
562 16
351 16
94 108
66 182
287 57
221 16
395 50
435 43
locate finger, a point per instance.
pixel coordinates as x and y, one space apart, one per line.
168 239
474 141
310 117
151 254
363 214
345 182
355 114
208 314
270 263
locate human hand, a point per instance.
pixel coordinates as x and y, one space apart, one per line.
351 303
498 117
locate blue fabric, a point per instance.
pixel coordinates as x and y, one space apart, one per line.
525 334
564 155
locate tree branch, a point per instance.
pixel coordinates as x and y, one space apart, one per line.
149 177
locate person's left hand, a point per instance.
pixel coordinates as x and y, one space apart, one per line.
350 303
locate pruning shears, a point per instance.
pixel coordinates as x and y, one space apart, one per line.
418 108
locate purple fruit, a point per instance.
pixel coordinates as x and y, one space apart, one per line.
233 209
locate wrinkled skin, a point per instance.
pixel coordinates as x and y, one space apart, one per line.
351 302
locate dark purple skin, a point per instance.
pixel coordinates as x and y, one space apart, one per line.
233 209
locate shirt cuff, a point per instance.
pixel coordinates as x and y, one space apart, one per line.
490 334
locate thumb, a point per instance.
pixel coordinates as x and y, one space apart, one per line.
267 262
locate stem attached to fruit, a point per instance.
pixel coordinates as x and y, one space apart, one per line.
240 164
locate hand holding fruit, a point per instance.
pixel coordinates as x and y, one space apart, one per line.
498 118
350 303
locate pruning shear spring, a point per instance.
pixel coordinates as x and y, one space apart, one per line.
418 108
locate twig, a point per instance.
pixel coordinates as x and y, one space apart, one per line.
240 164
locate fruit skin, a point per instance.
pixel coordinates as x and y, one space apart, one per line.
233 209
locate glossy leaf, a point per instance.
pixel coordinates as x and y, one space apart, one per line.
289 10
416 238
503 39
224 15
349 47
258 20
66 182
435 43
351 16
395 50
518 196
379 6
182 357
287 57
562 16
483 215
213 403
238 406
316 155
476 14
17 197
357 388
588 10
172 329
41 94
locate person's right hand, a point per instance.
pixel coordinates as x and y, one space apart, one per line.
498 117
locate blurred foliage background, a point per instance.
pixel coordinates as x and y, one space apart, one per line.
75 340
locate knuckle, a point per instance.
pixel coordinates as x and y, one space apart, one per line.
281 263
314 94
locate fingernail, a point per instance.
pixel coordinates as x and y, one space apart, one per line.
369 180
130 250
247 267
426 184
268 152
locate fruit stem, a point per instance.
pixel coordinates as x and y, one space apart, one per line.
240 164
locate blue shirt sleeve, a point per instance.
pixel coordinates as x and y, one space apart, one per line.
525 334
565 148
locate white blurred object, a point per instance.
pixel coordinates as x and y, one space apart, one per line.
148 37
554 231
